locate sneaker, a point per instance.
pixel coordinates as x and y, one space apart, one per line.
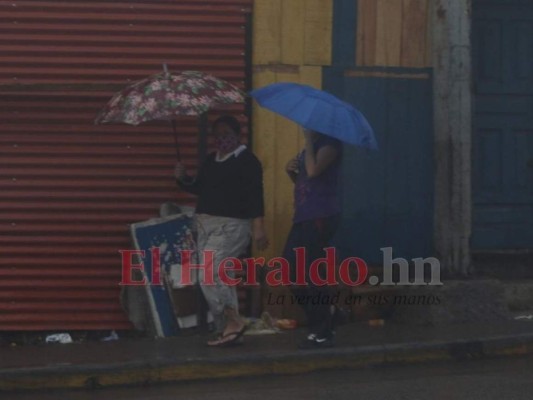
314 342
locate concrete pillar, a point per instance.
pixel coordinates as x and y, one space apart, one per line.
451 22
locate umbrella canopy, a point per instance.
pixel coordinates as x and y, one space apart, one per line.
318 111
165 96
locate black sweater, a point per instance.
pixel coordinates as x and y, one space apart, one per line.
231 188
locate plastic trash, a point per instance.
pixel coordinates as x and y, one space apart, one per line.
263 326
528 317
376 322
59 338
286 324
113 336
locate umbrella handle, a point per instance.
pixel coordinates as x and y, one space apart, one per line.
178 155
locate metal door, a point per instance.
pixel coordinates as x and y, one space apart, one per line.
68 189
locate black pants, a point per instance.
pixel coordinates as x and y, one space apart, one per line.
314 236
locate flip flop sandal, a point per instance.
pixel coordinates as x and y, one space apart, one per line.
235 336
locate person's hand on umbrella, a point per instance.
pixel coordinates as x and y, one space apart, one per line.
292 166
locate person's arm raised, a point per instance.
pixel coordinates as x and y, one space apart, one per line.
316 164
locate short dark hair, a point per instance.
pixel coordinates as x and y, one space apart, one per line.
231 121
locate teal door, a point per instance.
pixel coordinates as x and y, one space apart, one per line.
503 124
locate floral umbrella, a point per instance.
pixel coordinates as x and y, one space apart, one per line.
165 96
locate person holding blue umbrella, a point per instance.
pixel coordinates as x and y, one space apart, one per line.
327 122
315 173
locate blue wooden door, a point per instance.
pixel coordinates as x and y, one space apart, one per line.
388 194
503 124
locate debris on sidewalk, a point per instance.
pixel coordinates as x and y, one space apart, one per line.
262 326
267 325
62 338
112 337
528 317
286 324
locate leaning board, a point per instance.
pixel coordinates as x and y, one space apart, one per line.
169 234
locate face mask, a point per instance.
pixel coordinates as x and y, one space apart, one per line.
226 143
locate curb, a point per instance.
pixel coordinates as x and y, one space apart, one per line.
297 362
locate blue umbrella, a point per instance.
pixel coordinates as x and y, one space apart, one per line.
318 111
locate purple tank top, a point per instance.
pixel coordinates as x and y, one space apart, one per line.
318 197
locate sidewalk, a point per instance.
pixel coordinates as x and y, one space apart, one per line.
146 361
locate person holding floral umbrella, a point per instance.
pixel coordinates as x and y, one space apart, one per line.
229 211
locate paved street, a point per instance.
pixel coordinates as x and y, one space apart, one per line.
508 379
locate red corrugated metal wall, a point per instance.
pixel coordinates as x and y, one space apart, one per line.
69 189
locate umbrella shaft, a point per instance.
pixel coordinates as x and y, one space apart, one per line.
178 156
